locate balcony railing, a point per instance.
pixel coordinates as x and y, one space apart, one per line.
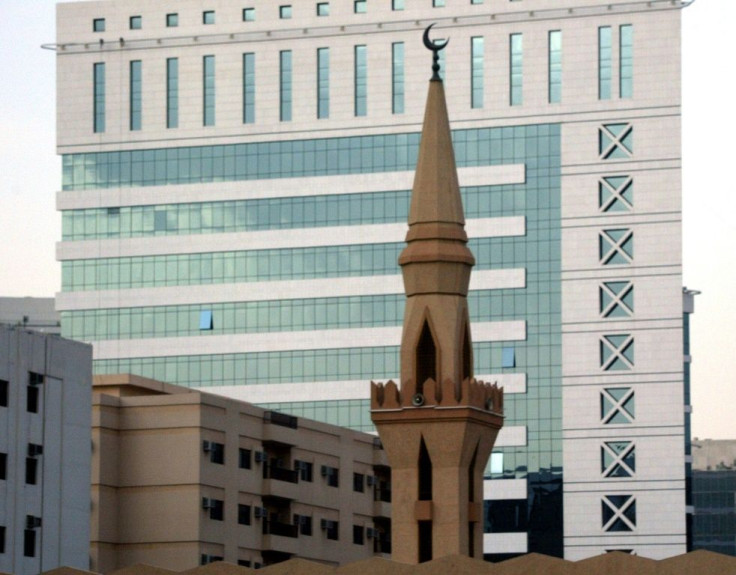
271 471
282 529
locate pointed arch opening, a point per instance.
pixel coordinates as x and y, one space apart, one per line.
467 358
425 473
426 357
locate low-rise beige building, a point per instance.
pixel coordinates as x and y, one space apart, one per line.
182 478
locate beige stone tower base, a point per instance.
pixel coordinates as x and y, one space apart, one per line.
439 428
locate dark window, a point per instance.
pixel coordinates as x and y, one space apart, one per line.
136 22
281 419
98 25
332 475
29 543
243 514
244 458
31 470
216 451
305 469
35 378
172 20
358 534
2 539
244 562
206 559
215 507
3 465
32 399
208 17
3 393
304 523
358 482
331 529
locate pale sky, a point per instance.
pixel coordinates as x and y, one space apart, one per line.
30 177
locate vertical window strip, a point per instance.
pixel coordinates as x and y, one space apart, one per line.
397 77
605 62
361 81
555 67
323 83
172 93
516 46
476 77
626 61
136 95
285 86
249 88
99 97
208 95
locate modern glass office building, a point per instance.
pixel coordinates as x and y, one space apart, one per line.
234 197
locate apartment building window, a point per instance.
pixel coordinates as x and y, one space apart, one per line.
172 20
4 393
438 3
476 73
249 14
285 12
98 25
361 81
29 543
2 539
397 77
214 507
605 65
331 529
626 61
358 482
31 470
243 514
3 466
208 90
332 475
554 68
516 47
136 22
618 513
215 450
244 458
305 469
358 535
249 88
323 8
208 17
360 6
172 93
136 94
98 118
397 5
476 1
285 86
305 524
323 83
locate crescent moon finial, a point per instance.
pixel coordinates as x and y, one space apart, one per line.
435 48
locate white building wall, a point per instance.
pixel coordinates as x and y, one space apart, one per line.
60 498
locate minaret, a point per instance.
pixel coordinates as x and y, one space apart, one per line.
438 429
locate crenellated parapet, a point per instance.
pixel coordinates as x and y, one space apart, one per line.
472 393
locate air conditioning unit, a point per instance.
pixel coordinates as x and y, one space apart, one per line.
260 512
32 522
370 480
260 457
208 503
207 446
370 532
34 450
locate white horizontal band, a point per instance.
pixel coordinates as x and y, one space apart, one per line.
281 341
